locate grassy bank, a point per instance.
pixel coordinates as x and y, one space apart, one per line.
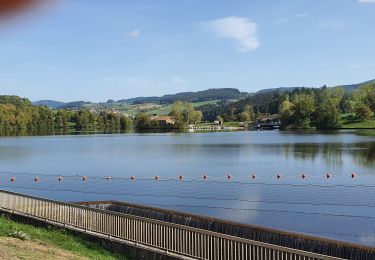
349 121
47 243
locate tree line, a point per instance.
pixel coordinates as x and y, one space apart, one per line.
302 108
20 116
182 113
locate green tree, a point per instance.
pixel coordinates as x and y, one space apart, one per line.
113 122
327 116
366 96
126 122
61 120
184 114
303 109
286 112
143 121
363 112
244 117
84 120
180 118
327 113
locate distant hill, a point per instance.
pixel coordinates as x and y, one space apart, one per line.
353 87
281 90
347 88
49 103
75 104
266 101
57 104
198 96
220 94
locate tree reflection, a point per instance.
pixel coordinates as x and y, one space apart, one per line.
364 155
332 153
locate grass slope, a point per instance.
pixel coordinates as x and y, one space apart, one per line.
149 108
348 121
166 109
57 240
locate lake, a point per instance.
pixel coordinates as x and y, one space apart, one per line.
339 207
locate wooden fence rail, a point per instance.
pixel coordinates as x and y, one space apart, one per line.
168 237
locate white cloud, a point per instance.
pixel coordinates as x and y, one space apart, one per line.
366 1
134 34
301 15
355 66
178 81
240 29
281 21
332 25
108 78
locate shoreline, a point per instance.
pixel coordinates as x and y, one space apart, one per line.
166 131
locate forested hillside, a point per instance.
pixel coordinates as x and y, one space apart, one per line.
296 108
18 116
199 96
300 108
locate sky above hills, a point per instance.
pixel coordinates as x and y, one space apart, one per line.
97 50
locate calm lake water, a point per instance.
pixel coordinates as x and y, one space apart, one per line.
339 207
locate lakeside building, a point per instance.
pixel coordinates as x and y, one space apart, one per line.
163 120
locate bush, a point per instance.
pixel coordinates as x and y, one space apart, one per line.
363 113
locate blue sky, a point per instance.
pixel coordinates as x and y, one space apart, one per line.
112 49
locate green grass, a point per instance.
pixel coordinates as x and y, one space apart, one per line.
162 110
149 108
349 121
166 109
232 124
59 238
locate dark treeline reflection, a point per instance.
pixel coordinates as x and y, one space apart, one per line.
365 154
23 132
332 153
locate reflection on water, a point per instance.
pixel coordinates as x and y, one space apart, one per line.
266 153
363 154
216 154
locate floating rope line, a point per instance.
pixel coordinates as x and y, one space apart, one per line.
203 198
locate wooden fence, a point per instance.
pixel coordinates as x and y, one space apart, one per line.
168 237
